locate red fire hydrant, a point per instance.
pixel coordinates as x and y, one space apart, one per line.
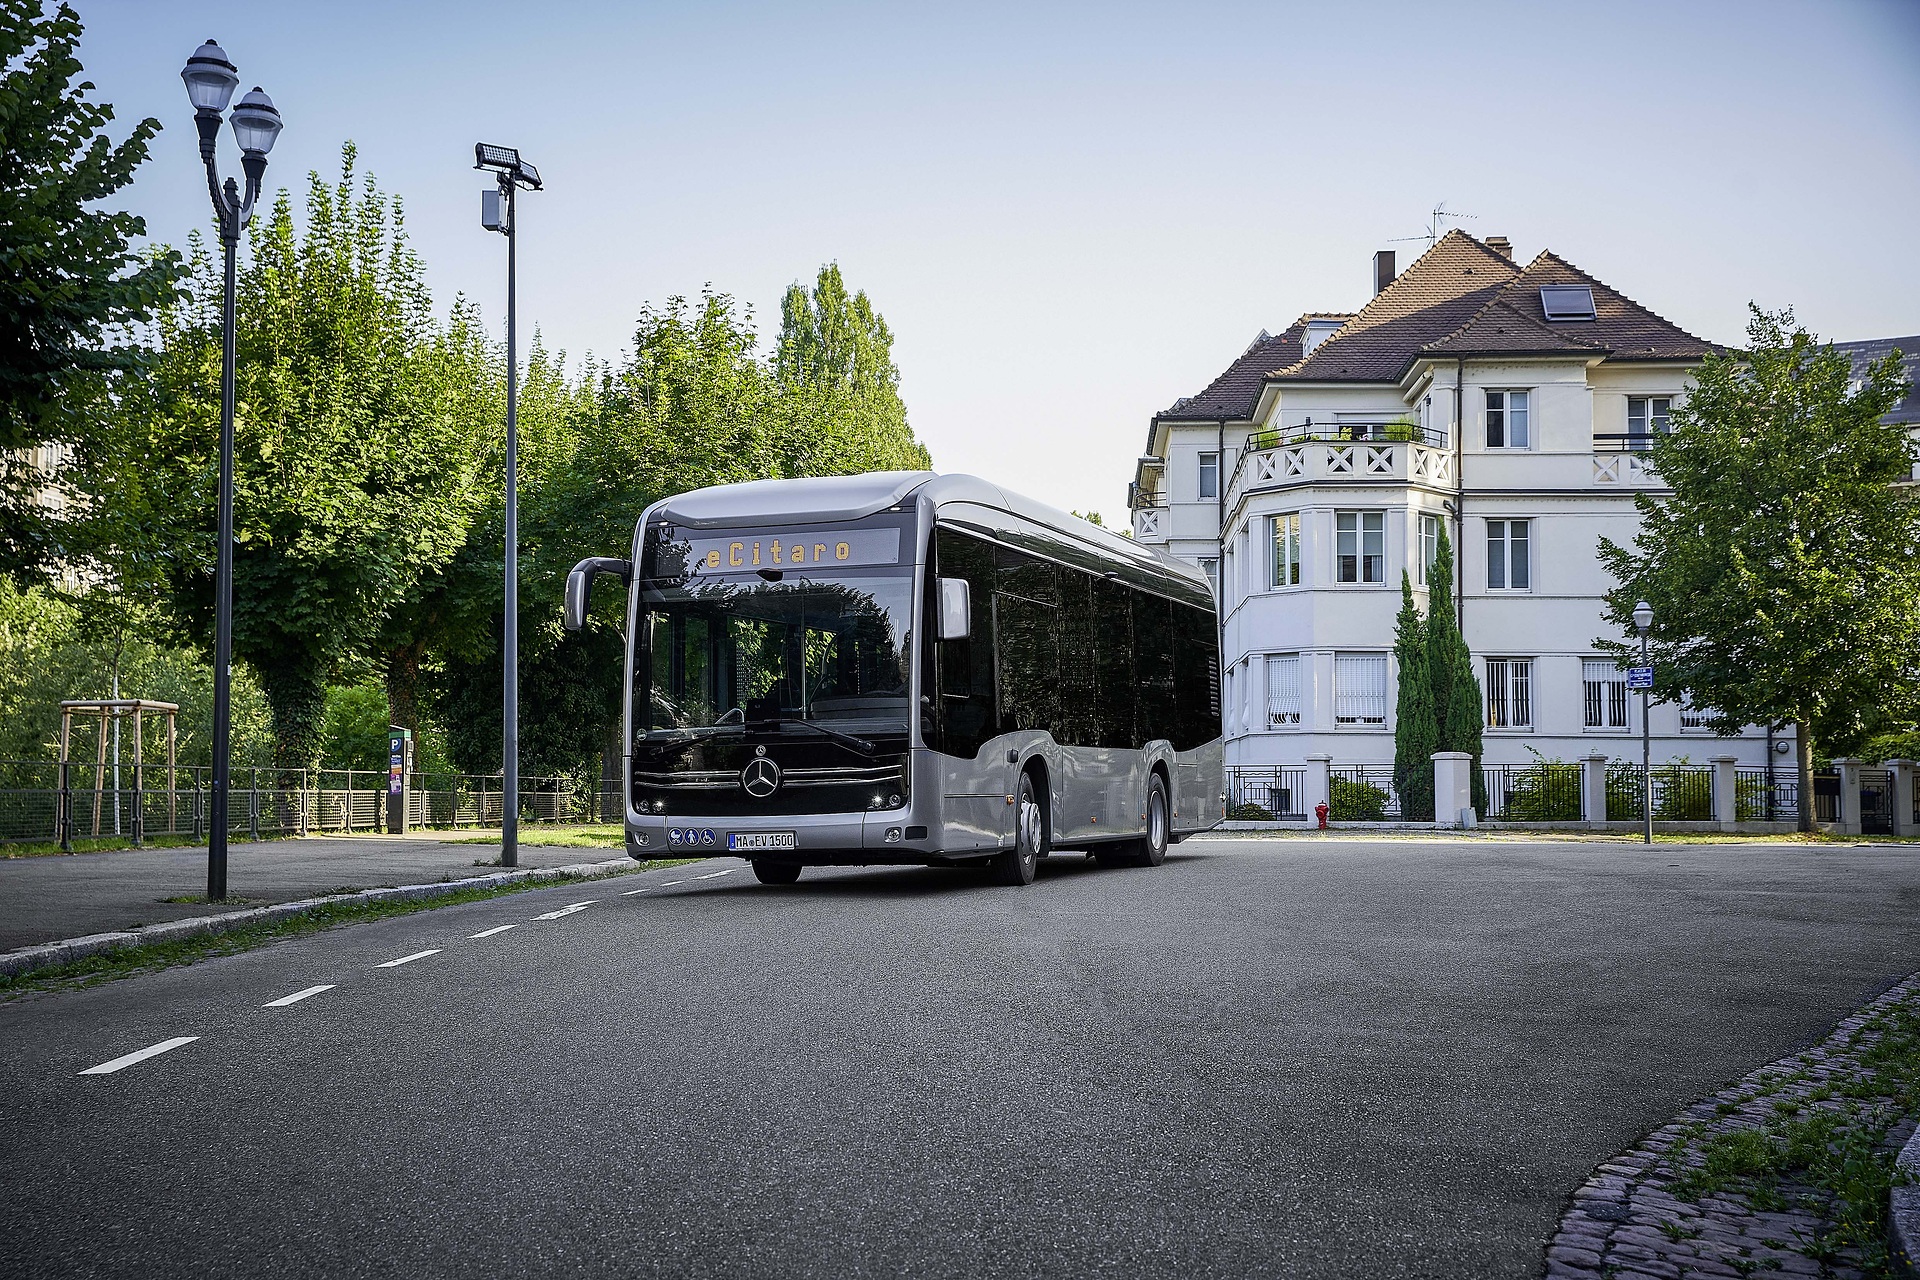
1321 811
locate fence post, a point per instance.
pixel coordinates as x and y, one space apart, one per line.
63 816
253 806
303 802
1726 807
1849 769
197 817
1593 790
1319 783
1903 817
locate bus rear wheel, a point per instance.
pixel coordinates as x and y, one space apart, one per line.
767 871
1150 850
1021 863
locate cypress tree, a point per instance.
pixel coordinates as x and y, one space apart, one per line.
1456 690
1415 730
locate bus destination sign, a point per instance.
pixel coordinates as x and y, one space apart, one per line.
799 549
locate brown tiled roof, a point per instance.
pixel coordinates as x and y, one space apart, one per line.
1234 393
1621 328
1440 291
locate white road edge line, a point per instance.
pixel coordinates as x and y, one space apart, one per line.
488 933
418 955
567 910
141 1055
298 996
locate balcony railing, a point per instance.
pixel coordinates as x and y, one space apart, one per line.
1392 431
1624 441
1139 499
1294 457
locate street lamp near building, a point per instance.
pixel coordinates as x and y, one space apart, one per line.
211 79
1643 622
496 214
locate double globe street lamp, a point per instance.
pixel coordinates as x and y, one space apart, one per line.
1643 622
211 80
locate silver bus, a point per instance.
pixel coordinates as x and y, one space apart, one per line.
904 667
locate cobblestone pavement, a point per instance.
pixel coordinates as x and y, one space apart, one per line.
1705 1196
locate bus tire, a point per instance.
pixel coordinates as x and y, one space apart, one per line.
1150 850
767 871
1021 863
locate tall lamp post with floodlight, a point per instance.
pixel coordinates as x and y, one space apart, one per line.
211 80
1643 622
496 214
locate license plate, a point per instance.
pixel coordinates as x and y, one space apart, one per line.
756 841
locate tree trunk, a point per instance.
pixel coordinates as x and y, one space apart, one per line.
1803 760
403 688
297 698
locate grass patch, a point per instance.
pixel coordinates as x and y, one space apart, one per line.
605 835
1832 1142
109 844
126 962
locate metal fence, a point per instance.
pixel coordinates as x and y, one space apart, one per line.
1826 796
1766 795
1362 793
1545 791
1261 795
263 801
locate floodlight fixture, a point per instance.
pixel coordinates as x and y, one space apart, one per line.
506 161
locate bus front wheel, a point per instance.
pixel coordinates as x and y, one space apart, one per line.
1021 863
767 871
1150 850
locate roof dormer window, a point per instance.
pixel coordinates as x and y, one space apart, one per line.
1317 331
1567 301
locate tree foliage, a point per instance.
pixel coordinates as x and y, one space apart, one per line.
1456 689
1782 571
71 283
1416 732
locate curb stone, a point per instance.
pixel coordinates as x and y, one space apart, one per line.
1903 1223
25 960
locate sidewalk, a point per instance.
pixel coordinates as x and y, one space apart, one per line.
49 898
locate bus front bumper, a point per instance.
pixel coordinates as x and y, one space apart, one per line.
852 839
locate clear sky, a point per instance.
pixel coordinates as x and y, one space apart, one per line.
1071 215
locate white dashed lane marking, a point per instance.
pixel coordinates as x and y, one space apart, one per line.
712 874
488 933
298 996
141 1055
418 955
630 892
568 910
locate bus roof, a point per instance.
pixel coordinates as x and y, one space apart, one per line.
825 499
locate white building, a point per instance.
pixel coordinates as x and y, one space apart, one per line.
1514 404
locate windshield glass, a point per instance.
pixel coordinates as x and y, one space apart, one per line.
722 651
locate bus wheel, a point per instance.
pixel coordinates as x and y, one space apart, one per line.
1150 850
1019 864
767 871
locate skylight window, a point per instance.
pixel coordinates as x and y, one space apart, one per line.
1567 301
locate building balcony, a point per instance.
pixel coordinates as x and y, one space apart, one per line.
1279 459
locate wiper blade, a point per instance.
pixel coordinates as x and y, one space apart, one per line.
861 745
693 733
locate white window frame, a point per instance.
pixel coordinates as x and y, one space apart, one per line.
1429 548
1695 719
1508 416
1603 690
1286 705
1210 565
1511 551
1359 534
1283 551
1653 421
1360 701
1509 692
1209 468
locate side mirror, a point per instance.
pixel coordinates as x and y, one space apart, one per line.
580 586
956 609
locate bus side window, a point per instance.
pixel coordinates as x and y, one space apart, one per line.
1153 666
1026 606
965 667
1112 658
1196 678
1078 719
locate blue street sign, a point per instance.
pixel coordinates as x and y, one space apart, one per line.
1639 677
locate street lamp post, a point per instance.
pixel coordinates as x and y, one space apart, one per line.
210 81
1642 622
496 214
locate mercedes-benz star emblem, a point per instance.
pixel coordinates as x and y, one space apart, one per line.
761 778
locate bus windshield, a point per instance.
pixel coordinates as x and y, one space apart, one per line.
812 645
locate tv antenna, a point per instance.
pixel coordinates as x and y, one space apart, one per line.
1435 227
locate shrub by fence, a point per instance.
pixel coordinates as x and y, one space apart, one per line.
1360 793
1263 795
1544 791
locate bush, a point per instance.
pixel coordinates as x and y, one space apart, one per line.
1352 801
1249 813
1682 794
1546 791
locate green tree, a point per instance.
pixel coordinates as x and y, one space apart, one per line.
351 464
834 367
1781 572
1416 733
71 282
1456 690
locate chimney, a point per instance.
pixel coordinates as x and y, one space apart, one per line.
1383 272
1501 245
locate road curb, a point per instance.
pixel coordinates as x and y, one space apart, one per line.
24 960
1903 1219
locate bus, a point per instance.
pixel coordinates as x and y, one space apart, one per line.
909 668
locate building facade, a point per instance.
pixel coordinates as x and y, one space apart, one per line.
1510 404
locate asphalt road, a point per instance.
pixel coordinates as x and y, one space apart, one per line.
1264 1058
